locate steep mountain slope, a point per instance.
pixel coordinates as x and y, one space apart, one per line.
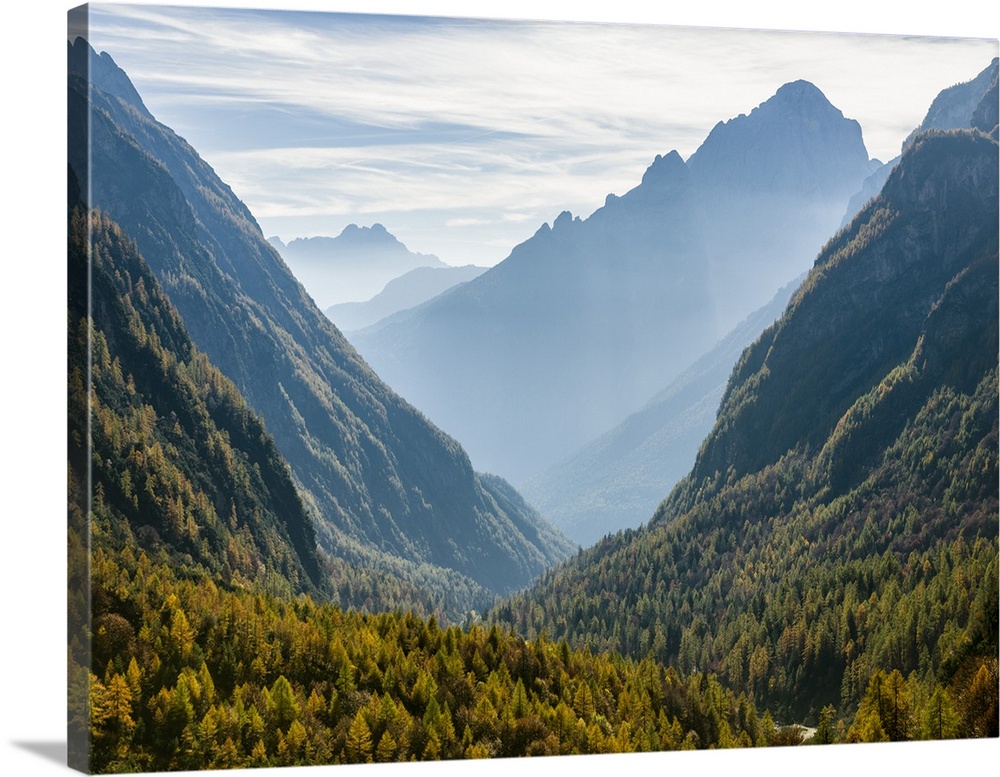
407 291
353 266
586 320
955 106
388 490
178 463
840 520
617 481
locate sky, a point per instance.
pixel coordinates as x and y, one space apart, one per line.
462 136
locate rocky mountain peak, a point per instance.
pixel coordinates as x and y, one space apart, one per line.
104 73
664 167
797 136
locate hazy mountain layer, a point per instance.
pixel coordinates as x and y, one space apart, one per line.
378 477
773 187
618 480
402 293
352 267
561 340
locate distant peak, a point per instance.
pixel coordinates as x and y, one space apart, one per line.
375 231
663 167
562 220
801 96
800 88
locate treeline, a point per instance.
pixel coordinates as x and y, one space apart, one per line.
188 674
177 461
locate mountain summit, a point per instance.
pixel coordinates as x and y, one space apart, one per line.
773 187
795 143
353 266
584 322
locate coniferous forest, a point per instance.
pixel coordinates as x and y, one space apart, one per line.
274 559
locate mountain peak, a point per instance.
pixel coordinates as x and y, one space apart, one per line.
563 220
103 72
800 90
375 232
663 167
795 141
798 100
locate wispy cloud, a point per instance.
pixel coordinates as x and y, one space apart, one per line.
317 118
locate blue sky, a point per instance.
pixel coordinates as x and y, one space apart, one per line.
461 136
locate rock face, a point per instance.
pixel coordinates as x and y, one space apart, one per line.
390 493
954 107
795 143
773 185
986 116
589 318
352 267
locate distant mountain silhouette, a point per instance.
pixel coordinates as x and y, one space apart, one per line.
351 267
773 186
408 290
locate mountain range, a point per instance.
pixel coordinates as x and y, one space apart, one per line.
351 267
395 503
264 537
584 322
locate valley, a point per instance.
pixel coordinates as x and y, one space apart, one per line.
720 453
